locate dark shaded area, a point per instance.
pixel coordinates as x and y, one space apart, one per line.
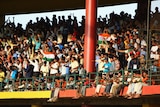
30 6
94 101
77 106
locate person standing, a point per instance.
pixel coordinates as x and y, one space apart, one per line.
74 66
44 70
121 46
36 71
2 76
54 67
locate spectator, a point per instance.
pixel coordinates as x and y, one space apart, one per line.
2 77
135 87
121 46
14 72
114 87
74 66
36 69
107 66
78 86
28 70
54 66
70 83
100 83
62 44
60 84
64 71
154 50
108 85
44 70
18 64
101 63
134 63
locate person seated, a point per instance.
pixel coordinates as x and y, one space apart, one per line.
79 88
114 87
100 84
134 87
60 84
108 85
70 83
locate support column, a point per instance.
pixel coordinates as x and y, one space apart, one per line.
148 33
142 11
35 105
90 35
2 20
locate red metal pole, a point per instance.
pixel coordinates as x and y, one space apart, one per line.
90 35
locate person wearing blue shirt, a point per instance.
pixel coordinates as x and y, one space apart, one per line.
14 73
37 42
106 66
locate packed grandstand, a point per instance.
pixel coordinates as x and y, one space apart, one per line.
48 55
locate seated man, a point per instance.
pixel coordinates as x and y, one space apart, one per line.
81 85
134 87
70 83
100 83
60 84
114 87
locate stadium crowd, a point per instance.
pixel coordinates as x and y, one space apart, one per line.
48 55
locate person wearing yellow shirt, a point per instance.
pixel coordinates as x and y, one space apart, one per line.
11 44
2 76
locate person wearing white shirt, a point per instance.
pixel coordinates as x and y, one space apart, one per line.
101 62
54 67
74 65
44 69
18 64
154 51
36 71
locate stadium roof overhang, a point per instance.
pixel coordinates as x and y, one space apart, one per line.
29 6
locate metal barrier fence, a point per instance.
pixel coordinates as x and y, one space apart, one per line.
93 78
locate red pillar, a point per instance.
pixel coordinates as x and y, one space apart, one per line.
90 35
